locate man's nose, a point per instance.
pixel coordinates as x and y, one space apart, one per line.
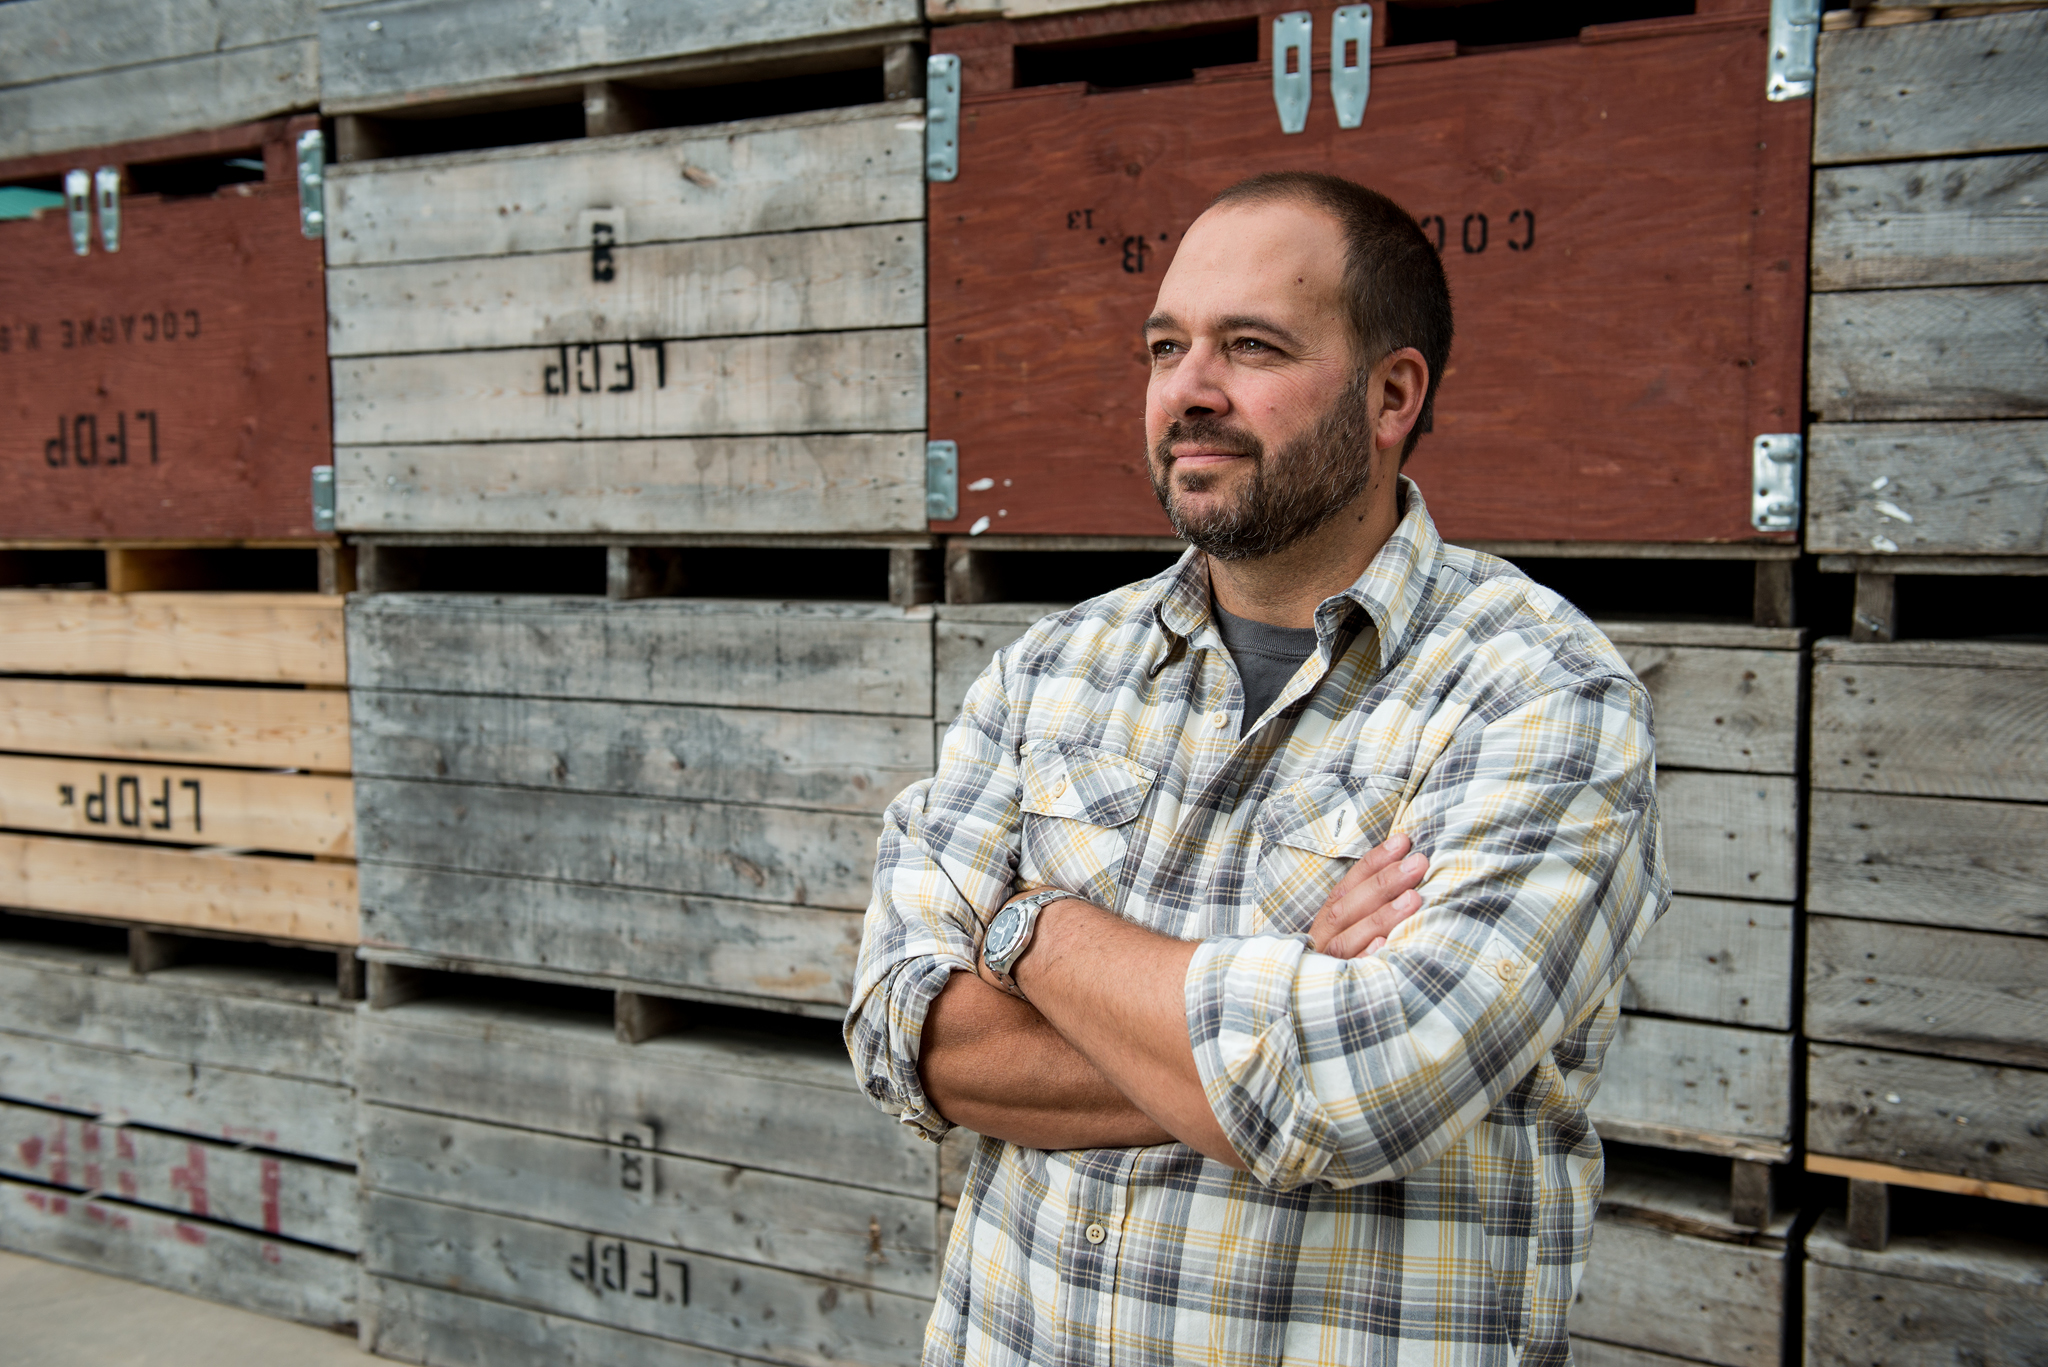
1196 387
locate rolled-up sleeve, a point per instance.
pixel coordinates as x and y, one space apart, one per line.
1546 869
947 861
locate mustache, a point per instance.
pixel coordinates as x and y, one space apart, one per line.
1208 432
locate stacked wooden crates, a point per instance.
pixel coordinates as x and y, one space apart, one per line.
628 362
1927 1078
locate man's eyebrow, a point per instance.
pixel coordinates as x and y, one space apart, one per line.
1246 322
1161 322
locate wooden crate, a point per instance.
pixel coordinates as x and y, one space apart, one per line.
176 387
82 73
1046 254
1926 1300
731 1191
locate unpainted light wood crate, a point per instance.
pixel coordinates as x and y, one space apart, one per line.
1924 1301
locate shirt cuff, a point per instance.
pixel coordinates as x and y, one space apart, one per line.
892 1079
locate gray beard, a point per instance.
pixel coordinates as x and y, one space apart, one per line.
1305 483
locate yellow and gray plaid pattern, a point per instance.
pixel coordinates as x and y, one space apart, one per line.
1423 1174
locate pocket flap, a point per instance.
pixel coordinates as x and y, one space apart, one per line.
1339 816
1089 785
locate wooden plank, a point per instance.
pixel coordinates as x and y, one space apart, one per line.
44 39
1924 1301
248 637
315 1119
1957 993
1978 221
868 381
1713 1079
824 657
865 1238
1594 1353
1931 730
1646 1288
1973 654
1971 351
776 1104
265 728
791 173
1931 90
288 813
1884 1176
1921 488
1729 635
862 482
1936 861
1720 708
310 1202
1730 835
771 854
198 1258
443 1329
967 638
1710 960
203 91
823 280
1972 1119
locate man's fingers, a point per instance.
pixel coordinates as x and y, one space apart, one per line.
1375 890
1369 932
1370 863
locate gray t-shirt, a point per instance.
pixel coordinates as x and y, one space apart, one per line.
1267 657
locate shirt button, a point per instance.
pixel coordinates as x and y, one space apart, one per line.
1506 970
1059 790
1219 720
1096 1234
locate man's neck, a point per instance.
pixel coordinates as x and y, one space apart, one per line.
1285 589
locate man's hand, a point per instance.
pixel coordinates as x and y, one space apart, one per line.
1374 897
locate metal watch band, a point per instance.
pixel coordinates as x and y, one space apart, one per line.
1029 907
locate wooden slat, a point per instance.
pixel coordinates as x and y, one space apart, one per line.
288 899
865 1238
266 728
826 657
1885 1173
1972 654
1972 222
1593 1353
1710 1079
1957 993
1932 730
1936 861
871 381
217 1262
863 482
1972 1119
1931 90
159 98
1722 709
269 1193
1942 1298
787 1105
785 174
41 40
248 637
287 813
1977 488
1965 352
1730 835
1729 962
1649 1289
444 1329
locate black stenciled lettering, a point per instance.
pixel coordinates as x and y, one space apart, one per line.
624 366
161 804
1465 234
554 379
1425 224
682 1296
88 331
149 327
192 323
1527 218
67 795
1134 254
96 804
612 1265
118 440
588 350
583 1266
652 1278
70 336
127 327
107 331
150 414
660 350
128 802
57 450
170 320
193 784
1080 218
85 439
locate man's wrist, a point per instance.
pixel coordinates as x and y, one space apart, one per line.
1012 934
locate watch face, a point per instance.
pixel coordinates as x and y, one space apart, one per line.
1002 934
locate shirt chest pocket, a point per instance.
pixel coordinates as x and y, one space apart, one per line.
1078 805
1309 834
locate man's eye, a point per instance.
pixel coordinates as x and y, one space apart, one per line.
1251 344
1161 350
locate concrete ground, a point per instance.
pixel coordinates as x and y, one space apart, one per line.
57 1316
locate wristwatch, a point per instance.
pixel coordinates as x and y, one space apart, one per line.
1009 934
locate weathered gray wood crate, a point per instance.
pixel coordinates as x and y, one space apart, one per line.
193 1127
531 1182
1927 1300
84 73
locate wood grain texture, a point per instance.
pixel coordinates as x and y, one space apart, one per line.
268 728
1932 730
1593 1353
757 953
249 637
1978 221
1036 366
1721 709
1925 1301
1931 90
859 482
1928 488
1730 835
864 1238
1652 1290
309 1202
1729 962
1971 351
794 172
1935 861
260 895
1971 654
1710 1079
195 93
1971 1119
825 657
216 1262
445 1329
44 39
1956 993
285 813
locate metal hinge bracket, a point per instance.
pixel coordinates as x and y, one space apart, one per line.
942 116
323 498
1293 41
313 183
1795 49
1777 461
942 480
1351 80
78 207
106 195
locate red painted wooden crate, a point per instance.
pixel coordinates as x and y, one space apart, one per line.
177 387
1623 218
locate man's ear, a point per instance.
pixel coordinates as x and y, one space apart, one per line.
1402 381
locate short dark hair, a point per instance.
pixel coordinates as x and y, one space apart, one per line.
1395 293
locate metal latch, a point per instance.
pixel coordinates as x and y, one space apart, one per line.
1776 463
1293 34
106 193
1351 63
1795 49
78 205
323 498
942 117
942 480
313 183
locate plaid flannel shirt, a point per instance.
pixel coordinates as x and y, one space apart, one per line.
1423 1174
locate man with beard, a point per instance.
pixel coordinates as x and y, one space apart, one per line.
1267 918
